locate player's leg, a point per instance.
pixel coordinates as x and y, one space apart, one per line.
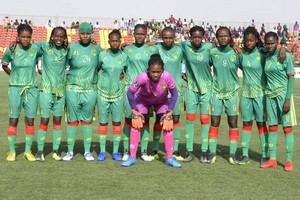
116 110
103 112
177 129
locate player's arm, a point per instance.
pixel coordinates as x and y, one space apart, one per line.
6 68
6 59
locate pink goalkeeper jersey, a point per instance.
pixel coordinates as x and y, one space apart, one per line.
152 93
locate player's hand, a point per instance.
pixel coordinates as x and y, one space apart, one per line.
137 119
237 48
12 45
123 46
122 76
286 106
183 75
167 121
282 55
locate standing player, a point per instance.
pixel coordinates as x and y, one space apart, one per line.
23 91
224 93
52 89
155 83
280 105
172 57
253 100
113 64
138 55
81 90
198 91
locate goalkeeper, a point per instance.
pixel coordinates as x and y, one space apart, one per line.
148 89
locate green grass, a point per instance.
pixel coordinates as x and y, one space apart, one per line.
79 179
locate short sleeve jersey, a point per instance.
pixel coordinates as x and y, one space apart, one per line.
277 74
23 65
112 65
83 61
138 60
54 61
254 80
150 92
173 59
225 77
198 69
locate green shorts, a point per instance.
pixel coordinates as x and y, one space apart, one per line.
106 107
50 102
195 99
231 105
80 105
253 109
275 112
26 97
178 105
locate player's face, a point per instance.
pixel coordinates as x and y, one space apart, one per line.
223 37
139 35
114 42
155 72
24 39
196 38
58 37
250 42
85 38
168 38
271 44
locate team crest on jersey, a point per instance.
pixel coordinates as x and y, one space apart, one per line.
175 55
159 52
257 56
31 52
138 56
17 54
200 57
136 84
233 58
192 50
50 51
224 63
63 52
75 53
105 59
94 52
217 57
164 86
147 52
130 51
120 61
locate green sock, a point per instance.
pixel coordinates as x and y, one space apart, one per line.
204 136
263 139
145 139
71 137
176 138
87 132
156 138
213 145
289 142
189 135
272 139
41 135
28 143
246 136
126 134
56 139
116 140
102 141
11 143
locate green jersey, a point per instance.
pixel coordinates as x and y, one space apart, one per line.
84 62
54 61
254 80
23 65
198 70
173 59
277 74
138 60
112 65
225 78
